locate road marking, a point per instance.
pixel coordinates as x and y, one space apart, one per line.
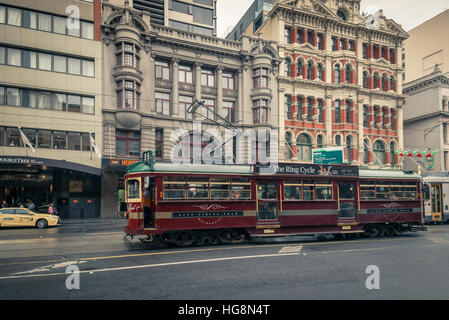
52 266
438 240
289 249
150 265
24 241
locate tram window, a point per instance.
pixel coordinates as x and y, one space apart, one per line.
219 188
426 192
410 192
309 190
382 191
346 190
198 188
174 188
240 189
367 192
293 192
133 189
396 192
324 190
267 191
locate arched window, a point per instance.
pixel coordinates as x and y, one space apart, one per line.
304 147
320 72
319 141
376 81
348 148
384 83
337 111
309 70
288 107
341 15
288 68
300 67
309 109
392 149
365 79
337 73
391 83
379 152
338 140
348 74
366 151
288 145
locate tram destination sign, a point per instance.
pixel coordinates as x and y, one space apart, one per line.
301 169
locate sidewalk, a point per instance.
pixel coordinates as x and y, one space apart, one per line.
100 221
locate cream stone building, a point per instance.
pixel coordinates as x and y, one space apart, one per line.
51 87
340 82
427 47
153 73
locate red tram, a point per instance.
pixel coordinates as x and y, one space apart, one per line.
187 204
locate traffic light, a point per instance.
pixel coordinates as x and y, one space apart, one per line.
430 163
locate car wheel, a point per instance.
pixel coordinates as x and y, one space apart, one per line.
41 224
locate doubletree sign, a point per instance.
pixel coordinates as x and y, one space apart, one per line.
328 155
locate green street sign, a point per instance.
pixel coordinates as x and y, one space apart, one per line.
328 155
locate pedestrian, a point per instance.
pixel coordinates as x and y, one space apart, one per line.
52 209
31 206
4 204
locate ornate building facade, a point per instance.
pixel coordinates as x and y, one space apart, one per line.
152 74
340 82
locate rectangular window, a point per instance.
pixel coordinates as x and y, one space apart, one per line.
163 103
162 70
74 141
324 190
74 66
59 102
288 106
197 188
293 191
229 111
88 105
207 78
240 189
29 19
59 25
60 64
45 61
210 106
87 29
29 98
14 17
174 188
309 190
2 14
13 137
29 59
202 15
2 96
74 103
127 143
44 139
2 55
59 140
220 188
365 116
88 68
45 101
2 130
183 104
228 81
13 97
44 22
74 31
85 141
14 57
185 74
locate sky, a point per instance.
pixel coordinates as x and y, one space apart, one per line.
408 13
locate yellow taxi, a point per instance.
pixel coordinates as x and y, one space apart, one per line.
23 217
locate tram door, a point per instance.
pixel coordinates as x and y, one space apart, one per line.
347 200
268 205
436 203
148 199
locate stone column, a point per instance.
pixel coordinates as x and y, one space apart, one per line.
400 128
328 121
198 80
360 129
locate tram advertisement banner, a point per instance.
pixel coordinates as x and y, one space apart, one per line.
301 169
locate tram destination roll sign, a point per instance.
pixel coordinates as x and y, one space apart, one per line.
302 169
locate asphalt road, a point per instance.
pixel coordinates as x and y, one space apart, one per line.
33 265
